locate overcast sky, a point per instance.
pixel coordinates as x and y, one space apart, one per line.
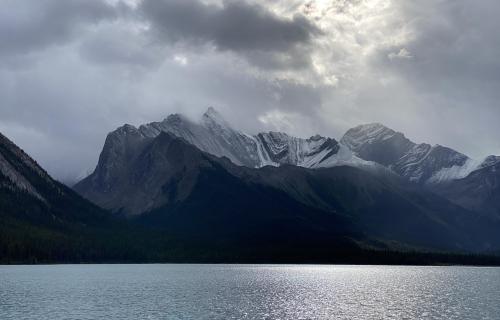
73 70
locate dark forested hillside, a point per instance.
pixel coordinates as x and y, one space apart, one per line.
213 211
170 184
42 220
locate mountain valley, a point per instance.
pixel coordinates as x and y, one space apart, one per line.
180 190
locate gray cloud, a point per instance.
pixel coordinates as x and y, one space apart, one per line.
115 44
73 70
239 26
26 26
453 74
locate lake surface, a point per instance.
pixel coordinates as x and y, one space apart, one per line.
248 292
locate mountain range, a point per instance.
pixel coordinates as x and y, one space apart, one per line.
376 183
171 183
372 147
470 183
183 190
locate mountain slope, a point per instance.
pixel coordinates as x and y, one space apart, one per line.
214 135
377 143
472 184
420 163
170 184
208 209
43 220
479 191
106 185
22 176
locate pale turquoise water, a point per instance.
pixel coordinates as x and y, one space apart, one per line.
248 292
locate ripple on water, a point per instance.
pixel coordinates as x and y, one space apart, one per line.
247 292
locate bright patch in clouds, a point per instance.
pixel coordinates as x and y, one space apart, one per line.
302 66
402 54
180 59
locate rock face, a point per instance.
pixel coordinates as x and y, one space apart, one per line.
17 169
171 184
420 163
479 191
134 181
118 182
212 134
469 183
377 143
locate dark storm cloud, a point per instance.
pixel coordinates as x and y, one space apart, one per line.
26 25
248 29
115 45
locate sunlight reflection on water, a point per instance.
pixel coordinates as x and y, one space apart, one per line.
248 292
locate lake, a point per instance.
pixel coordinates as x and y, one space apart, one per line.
248 292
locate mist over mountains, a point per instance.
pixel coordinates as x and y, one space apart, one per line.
371 147
180 190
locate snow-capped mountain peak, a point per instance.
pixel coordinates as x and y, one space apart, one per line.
214 116
366 134
369 146
214 135
420 163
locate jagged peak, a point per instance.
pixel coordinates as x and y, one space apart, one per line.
276 134
122 132
214 115
316 137
367 133
174 117
152 129
126 128
372 128
212 111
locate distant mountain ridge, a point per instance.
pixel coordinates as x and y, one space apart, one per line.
420 163
371 147
213 134
317 202
172 185
470 183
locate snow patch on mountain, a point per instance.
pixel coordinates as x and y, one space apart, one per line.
366 134
454 172
214 135
344 157
262 155
419 163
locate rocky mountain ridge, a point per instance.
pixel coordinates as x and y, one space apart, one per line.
213 134
420 163
371 147
169 183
